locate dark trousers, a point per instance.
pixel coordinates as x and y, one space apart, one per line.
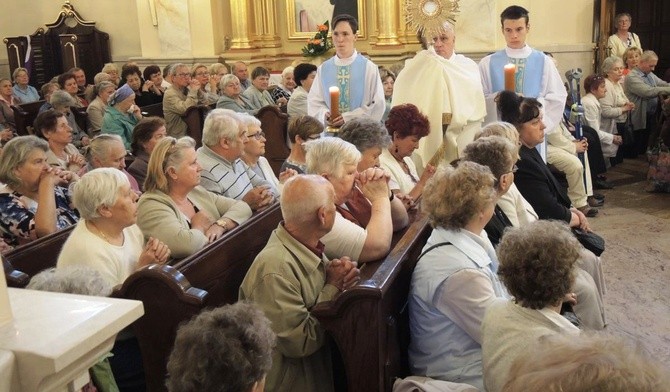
596 159
645 138
127 365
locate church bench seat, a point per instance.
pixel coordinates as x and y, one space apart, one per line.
275 124
155 110
173 294
35 256
370 321
24 116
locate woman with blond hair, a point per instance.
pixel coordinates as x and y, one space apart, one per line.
175 209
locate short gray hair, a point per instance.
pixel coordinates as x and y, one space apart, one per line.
15 153
648 55
97 188
71 280
329 155
609 63
17 71
176 66
495 152
503 129
218 125
227 78
101 77
61 99
248 120
216 67
101 86
101 145
365 133
237 342
110 67
287 70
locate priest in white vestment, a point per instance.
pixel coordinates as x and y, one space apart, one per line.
446 87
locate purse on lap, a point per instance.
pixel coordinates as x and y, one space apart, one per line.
590 241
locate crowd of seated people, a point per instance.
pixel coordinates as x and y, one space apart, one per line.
488 215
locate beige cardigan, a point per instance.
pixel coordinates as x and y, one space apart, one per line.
510 330
159 217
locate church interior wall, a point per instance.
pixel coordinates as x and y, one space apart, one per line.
563 27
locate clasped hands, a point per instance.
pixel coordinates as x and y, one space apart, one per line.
373 182
342 273
259 197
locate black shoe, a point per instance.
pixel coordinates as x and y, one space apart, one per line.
593 202
602 184
599 196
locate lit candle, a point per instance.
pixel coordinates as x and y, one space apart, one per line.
510 77
334 102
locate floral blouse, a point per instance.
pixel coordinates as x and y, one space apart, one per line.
17 215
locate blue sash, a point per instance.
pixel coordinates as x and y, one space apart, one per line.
528 76
349 78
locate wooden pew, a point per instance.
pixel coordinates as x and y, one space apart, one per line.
153 110
370 322
81 118
13 277
274 123
195 121
174 294
35 256
24 116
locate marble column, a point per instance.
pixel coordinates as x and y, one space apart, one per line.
387 22
239 11
265 18
174 29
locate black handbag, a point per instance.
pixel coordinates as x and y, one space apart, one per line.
590 241
625 130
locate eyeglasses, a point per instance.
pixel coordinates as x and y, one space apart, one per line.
183 74
258 135
202 74
515 168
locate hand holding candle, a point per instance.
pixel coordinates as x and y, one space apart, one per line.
334 102
510 77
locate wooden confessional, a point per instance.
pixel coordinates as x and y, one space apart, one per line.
68 42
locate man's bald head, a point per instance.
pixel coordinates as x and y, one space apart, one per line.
303 196
240 70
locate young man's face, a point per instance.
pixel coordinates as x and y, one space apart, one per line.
515 31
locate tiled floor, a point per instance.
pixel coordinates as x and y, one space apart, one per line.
636 227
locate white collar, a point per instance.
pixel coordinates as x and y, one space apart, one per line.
518 53
346 61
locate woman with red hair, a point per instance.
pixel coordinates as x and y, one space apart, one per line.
406 125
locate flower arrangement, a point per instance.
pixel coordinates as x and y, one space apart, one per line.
320 44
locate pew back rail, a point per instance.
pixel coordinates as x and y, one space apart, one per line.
370 321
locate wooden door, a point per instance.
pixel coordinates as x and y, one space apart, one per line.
651 22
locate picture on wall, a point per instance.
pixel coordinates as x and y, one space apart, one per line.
305 15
